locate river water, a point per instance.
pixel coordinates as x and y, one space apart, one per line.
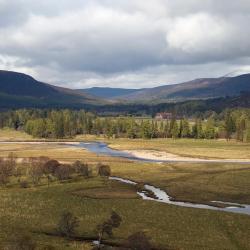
162 196
101 148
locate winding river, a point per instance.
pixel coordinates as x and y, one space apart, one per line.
101 148
162 196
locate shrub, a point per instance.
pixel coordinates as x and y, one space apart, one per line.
77 165
6 170
103 170
50 167
63 172
68 224
18 171
82 168
107 226
36 173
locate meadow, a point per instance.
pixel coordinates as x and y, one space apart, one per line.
201 148
36 210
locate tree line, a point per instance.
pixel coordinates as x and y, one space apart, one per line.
38 170
68 123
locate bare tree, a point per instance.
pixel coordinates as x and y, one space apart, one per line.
49 168
11 159
68 224
6 171
107 227
63 172
36 173
103 170
82 168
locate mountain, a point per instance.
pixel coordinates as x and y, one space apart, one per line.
108 93
21 90
203 88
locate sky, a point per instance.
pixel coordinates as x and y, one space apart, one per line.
124 43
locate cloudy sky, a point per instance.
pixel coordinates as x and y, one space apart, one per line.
124 43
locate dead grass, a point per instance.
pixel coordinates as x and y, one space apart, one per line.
220 149
7 134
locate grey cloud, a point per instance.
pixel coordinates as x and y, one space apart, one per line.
103 42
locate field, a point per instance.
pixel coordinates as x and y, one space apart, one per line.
36 210
217 149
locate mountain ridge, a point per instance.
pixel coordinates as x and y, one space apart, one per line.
27 91
201 88
21 90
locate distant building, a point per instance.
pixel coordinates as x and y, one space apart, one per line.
164 116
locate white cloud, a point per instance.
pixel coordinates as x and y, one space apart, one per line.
197 33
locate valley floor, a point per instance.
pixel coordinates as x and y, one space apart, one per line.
36 209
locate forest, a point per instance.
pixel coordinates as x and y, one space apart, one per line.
43 123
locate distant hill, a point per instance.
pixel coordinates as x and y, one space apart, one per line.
108 93
21 90
203 88
185 108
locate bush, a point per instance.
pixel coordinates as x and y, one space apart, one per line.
68 224
82 168
50 167
36 173
6 170
103 170
107 226
18 171
63 172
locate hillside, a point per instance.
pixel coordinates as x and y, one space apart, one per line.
21 90
109 93
203 88
18 90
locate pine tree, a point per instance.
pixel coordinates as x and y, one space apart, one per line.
241 123
185 129
175 130
229 125
247 132
209 130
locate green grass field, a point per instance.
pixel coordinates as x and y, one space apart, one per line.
37 209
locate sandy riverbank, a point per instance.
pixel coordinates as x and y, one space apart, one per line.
164 156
